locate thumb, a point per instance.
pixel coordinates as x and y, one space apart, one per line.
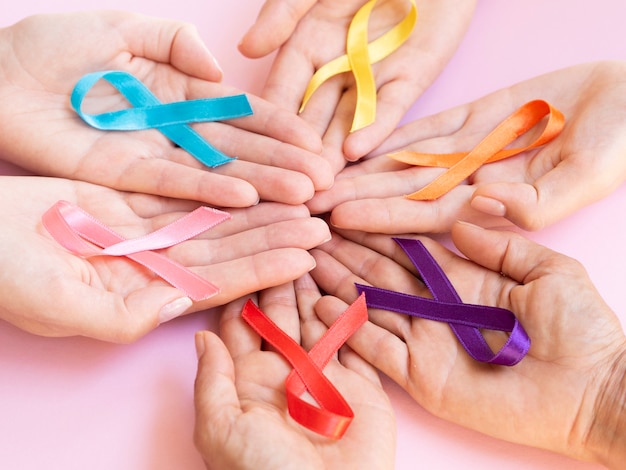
277 20
555 195
171 42
502 251
215 395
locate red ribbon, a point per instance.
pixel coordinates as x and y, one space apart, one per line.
334 415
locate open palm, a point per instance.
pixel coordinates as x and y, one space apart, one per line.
241 408
577 341
277 153
49 291
310 33
531 190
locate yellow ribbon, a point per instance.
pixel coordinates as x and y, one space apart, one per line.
359 57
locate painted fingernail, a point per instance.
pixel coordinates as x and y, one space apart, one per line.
489 206
174 309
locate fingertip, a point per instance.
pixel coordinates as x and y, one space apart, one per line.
517 202
190 55
360 143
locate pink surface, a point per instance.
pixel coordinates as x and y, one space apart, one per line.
76 403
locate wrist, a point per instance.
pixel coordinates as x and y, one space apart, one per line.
606 437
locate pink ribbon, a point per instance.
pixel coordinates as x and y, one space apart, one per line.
82 234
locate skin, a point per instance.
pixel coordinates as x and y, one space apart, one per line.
564 396
532 190
241 410
277 153
309 33
115 299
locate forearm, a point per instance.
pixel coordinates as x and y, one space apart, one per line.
606 440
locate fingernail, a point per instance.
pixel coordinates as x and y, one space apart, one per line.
470 225
217 65
489 206
200 344
174 309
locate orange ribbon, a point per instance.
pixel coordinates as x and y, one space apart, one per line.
491 149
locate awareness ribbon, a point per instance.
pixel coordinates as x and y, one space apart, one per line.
334 415
81 234
359 58
466 320
490 149
170 119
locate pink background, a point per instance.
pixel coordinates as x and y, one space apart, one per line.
76 403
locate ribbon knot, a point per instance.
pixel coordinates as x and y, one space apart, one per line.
466 320
81 234
170 119
334 415
359 58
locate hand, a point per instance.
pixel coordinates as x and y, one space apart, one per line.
241 416
562 396
533 190
311 33
115 299
277 153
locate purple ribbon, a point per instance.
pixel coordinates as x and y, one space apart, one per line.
466 320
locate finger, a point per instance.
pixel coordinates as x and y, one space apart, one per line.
170 42
374 344
372 186
111 317
400 215
550 198
215 395
254 273
325 107
311 327
266 151
249 218
239 338
268 119
165 178
336 279
271 183
374 268
280 305
392 103
274 25
501 251
431 134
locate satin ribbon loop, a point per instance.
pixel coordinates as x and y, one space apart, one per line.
359 58
81 234
466 320
491 149
170 119
333 416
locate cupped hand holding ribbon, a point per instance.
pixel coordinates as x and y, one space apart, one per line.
312 33
531 190
277 153
576 338
241 417
48 290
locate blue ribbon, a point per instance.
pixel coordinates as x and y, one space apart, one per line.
170 119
